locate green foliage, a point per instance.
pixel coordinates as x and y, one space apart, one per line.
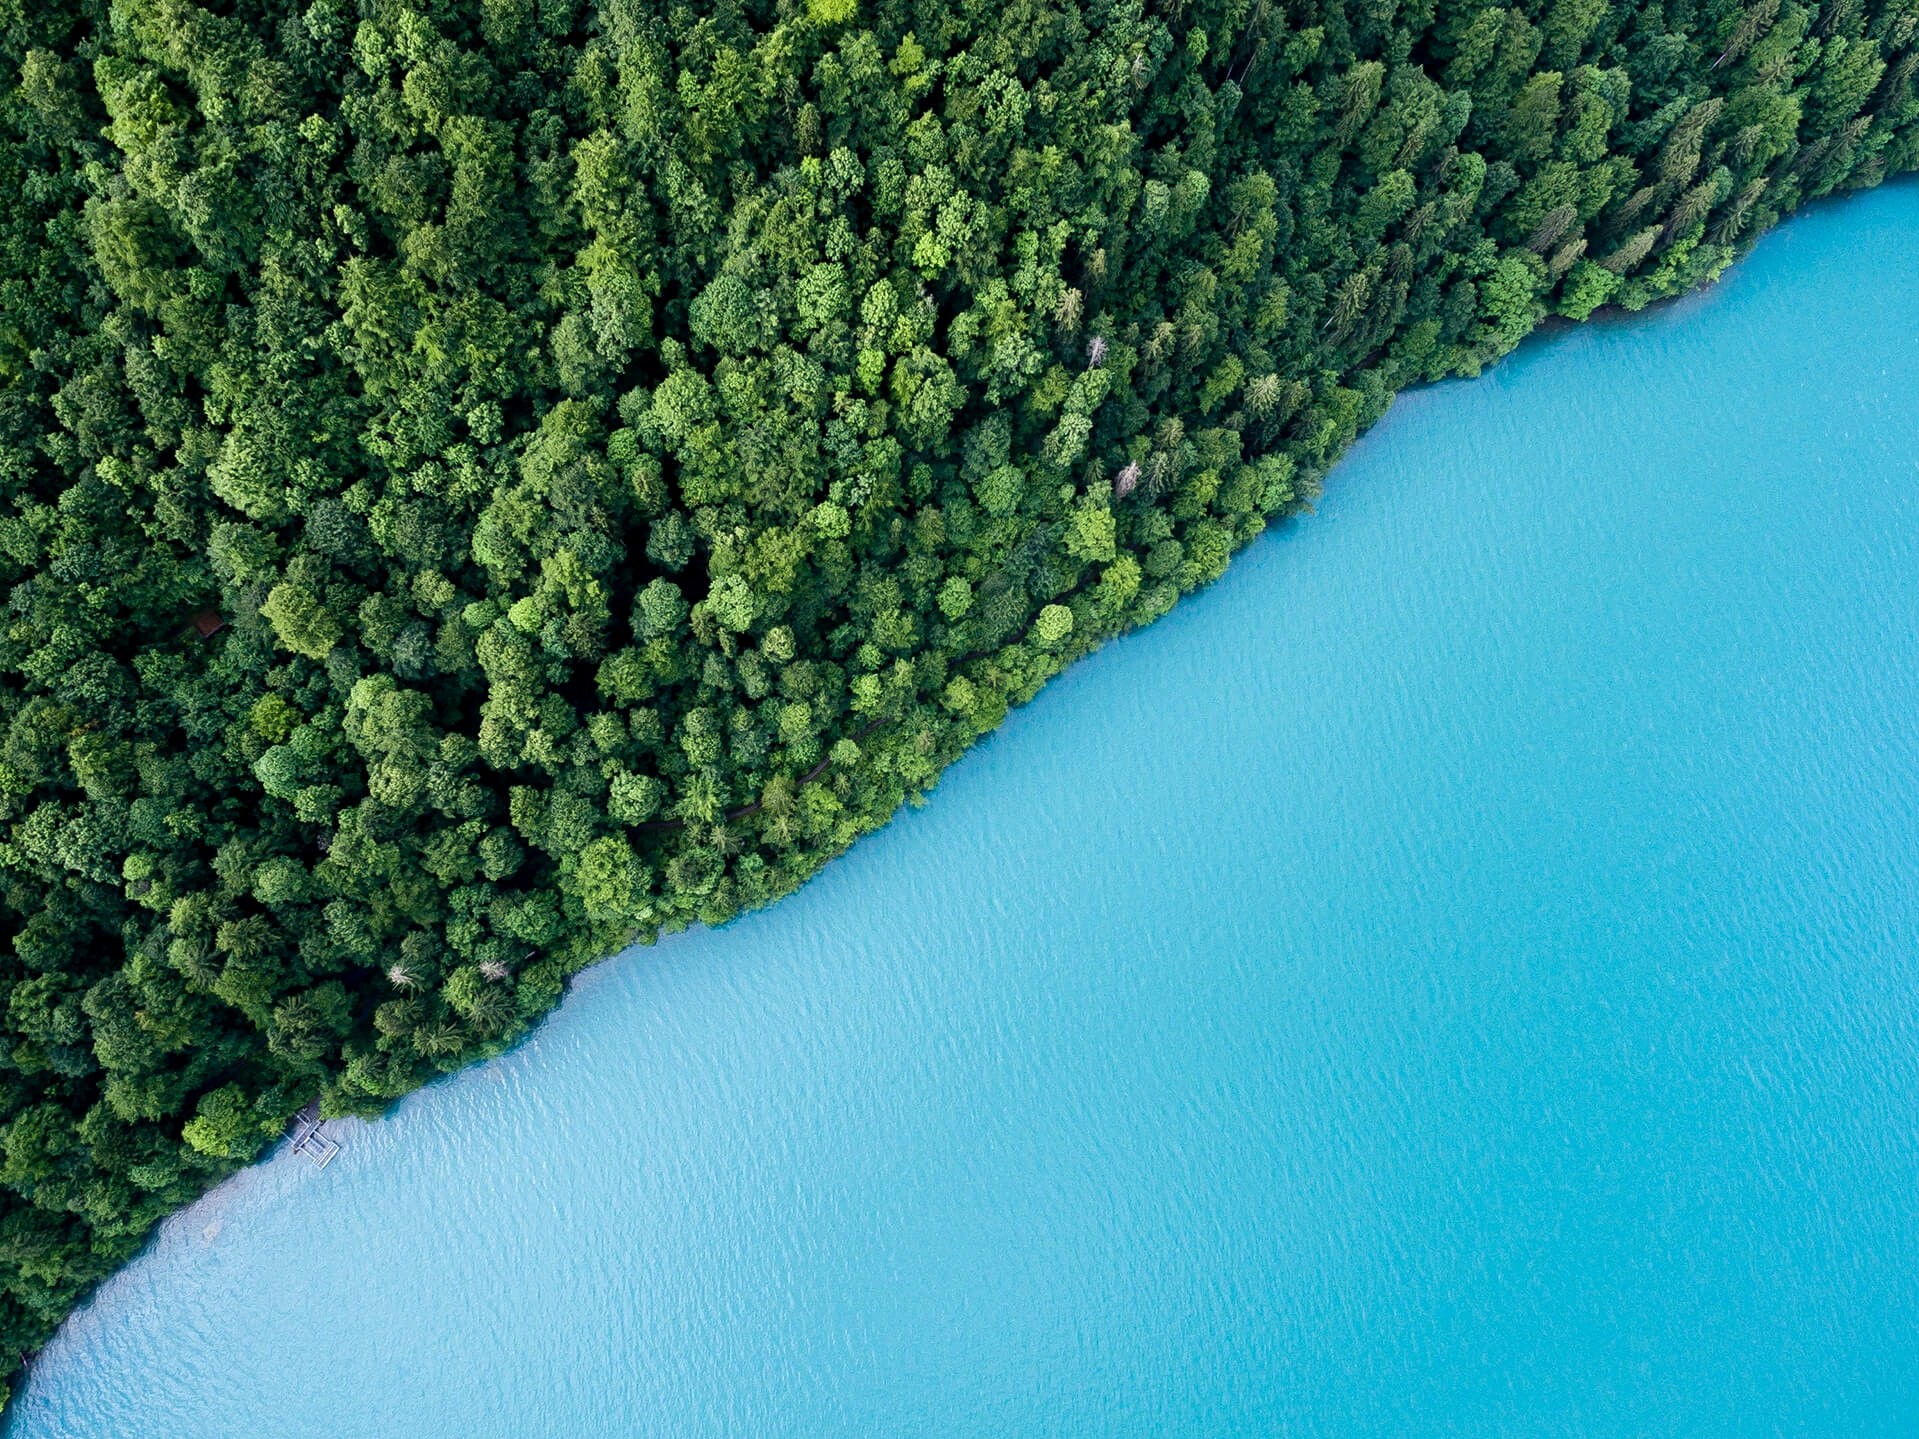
481 485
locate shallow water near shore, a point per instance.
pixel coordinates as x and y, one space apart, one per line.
1457 975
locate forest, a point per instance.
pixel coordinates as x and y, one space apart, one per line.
485 483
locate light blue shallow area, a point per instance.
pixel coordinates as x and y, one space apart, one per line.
1457 976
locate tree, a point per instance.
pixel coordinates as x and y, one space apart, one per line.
225 1125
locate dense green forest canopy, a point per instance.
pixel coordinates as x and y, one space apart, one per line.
483 482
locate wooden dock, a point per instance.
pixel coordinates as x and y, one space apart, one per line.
308 1138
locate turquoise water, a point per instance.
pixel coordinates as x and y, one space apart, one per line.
1456 976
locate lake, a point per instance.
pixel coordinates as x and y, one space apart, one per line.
1458 975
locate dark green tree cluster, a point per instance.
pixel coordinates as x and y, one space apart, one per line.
484 482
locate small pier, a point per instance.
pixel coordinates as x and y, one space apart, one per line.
308 1138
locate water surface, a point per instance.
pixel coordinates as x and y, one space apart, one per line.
1456 976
